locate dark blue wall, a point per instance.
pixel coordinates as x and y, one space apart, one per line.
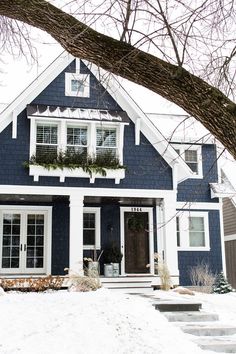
189 259
54 93
60 237
198 190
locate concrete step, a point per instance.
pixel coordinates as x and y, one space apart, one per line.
172 306
220 345
209 329
193 316
127 285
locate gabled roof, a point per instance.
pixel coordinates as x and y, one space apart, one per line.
121 96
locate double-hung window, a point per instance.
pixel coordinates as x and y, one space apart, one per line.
106 141
46 141
193 231
91 228
192 156
77 139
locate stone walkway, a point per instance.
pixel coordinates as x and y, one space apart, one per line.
203 327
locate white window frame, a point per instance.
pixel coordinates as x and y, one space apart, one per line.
43 123
62 124
80 126
97 212
183 147
85 78
184 230
24 211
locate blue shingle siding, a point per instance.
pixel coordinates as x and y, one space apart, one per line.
198 190
54 93
188 259
146 169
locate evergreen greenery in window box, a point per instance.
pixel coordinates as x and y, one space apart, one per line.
72 160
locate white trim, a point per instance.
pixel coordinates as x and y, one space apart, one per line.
38 171
24 210
135 209
105 192
97 212
230 238
14 125
184 230
137 131
183 147
222 238
197 206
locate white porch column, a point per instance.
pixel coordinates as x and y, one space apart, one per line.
76 233
170 239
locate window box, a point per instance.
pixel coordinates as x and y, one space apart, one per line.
38 171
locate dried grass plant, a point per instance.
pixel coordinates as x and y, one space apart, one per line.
83 283
202 277
32 284
162 270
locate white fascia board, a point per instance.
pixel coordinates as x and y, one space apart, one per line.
150 131
80 191
34 89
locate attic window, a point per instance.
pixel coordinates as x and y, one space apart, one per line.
77 85
192 155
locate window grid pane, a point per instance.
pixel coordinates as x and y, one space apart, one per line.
106 138
11 241
196 232
89 229
46 141
77 86
35 241
190 157
77 140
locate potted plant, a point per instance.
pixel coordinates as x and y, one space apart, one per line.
112 258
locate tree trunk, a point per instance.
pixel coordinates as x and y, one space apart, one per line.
202 101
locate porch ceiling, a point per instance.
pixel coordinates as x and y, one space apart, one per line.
26 198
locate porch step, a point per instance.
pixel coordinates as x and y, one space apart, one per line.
191 316
134 284
219 345
166 306
209 329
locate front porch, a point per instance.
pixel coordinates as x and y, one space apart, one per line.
138 222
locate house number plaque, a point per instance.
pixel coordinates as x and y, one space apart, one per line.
136 209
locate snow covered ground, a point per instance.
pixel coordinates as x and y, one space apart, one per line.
101 322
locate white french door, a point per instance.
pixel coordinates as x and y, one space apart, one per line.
23 236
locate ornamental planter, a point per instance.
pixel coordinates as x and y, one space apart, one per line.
108 270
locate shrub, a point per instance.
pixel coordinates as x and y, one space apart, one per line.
201 276
32 284
81 283
221 285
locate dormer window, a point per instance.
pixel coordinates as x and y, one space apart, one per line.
192 155
46 140
106 141
77 85
77 139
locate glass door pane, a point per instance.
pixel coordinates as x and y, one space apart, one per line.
35 241
11 241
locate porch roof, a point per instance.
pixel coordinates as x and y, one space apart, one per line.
77 113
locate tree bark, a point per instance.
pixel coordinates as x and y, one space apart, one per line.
201 100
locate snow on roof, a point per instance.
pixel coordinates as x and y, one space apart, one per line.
181 128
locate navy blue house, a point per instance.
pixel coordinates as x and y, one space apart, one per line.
84 169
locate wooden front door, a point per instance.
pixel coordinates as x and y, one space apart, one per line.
136 242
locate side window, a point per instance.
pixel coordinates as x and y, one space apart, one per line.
196 232
77 85
91 228
192 231
191 159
